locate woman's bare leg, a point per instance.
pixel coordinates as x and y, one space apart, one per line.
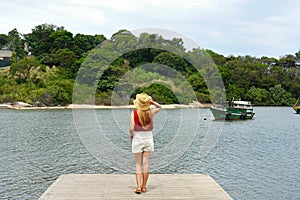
146 166
138 169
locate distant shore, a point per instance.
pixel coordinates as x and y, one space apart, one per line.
25 106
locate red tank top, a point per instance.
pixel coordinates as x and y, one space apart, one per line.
137 126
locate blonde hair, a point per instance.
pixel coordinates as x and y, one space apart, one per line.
145 118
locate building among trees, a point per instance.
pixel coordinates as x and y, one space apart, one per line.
5 56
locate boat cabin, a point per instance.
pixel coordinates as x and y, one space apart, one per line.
241 104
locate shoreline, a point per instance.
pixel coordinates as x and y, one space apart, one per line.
23 106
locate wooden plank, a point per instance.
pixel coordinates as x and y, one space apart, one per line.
121 186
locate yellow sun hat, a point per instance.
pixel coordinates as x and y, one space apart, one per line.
141 101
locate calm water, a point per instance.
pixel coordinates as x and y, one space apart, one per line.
253 159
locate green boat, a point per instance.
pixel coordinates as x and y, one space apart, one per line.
234 110
296 107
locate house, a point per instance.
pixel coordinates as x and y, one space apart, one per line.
5 56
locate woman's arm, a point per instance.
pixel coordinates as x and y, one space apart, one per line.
131 129
157 107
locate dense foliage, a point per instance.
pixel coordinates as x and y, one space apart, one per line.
44 72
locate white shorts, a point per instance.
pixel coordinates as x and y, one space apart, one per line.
142 141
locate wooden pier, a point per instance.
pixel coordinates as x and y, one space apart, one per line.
121 186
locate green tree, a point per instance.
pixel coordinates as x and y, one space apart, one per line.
258 96
21 69
110 76
3 41
39 39
217 58
84 43
141 56
60 92
288 61
171 60
46 59
61 39
280 97
297 54
197 82
15 43
64 58
159 92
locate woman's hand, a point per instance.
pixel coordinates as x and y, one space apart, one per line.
150 101
131 138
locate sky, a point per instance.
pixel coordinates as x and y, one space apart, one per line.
228 27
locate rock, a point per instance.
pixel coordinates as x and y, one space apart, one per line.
21 104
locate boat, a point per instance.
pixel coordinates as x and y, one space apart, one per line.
234 110
296 107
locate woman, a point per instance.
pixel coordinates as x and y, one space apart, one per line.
141 125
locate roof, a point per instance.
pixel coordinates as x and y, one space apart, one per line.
242 102
5 53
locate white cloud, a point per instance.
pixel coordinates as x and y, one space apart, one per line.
81 14
226 26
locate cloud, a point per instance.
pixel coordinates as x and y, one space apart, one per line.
227 26
78 14
273 33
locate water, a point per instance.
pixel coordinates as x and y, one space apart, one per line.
253 159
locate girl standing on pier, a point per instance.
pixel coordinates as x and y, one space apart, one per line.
141 125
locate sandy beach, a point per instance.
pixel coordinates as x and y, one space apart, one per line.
24 106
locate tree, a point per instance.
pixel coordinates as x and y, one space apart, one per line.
15 43
280 97
21 69
110 76
3 41
123 41
84 43
39 39
171 60
159 92
64 58
46 59
197 82
60 92
297 54
287 62
257 96
61 39
217 58
141 56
